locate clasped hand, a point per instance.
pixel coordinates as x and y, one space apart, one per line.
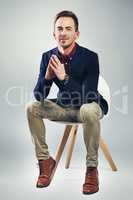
55 69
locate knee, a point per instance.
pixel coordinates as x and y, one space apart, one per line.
31 106
88 112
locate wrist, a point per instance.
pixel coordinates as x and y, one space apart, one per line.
66 77
48 77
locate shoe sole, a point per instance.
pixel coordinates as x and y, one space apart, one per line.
90 192
42 186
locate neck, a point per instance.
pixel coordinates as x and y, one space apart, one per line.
66 51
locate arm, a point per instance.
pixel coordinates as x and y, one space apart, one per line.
43 85
91 80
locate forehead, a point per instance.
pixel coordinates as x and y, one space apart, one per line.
65 21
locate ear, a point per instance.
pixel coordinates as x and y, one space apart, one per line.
77 34
54 35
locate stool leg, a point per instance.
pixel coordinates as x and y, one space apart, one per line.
71 145
61 146
107 154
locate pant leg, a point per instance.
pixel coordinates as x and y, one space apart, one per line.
90 115
36 112
37 130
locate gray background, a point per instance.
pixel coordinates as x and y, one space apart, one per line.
26 31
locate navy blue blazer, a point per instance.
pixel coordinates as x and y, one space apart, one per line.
82 84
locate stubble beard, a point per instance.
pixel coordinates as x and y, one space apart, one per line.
65 46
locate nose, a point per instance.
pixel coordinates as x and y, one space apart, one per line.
63 32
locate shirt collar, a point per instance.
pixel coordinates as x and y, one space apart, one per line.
65 58
76 54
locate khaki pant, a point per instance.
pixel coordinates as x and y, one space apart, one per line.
89 114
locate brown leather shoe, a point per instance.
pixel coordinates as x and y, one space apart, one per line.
91 184
46 167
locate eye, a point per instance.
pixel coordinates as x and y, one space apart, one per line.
59 28
69 28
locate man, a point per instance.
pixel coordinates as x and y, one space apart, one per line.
75 70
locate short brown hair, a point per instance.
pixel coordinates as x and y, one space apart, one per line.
67 13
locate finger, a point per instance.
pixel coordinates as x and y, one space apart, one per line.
53 62
56 59
53 68
50 63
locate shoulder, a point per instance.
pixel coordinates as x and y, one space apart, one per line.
90 58
87 52
47 54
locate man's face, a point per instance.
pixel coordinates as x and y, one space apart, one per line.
64 32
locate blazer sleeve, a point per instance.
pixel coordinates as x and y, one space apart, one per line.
90 83
43 86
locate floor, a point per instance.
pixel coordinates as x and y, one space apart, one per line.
67 183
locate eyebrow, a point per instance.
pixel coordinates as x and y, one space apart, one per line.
65 27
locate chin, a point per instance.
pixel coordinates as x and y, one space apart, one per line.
66 45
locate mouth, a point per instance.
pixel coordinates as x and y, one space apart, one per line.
63 39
